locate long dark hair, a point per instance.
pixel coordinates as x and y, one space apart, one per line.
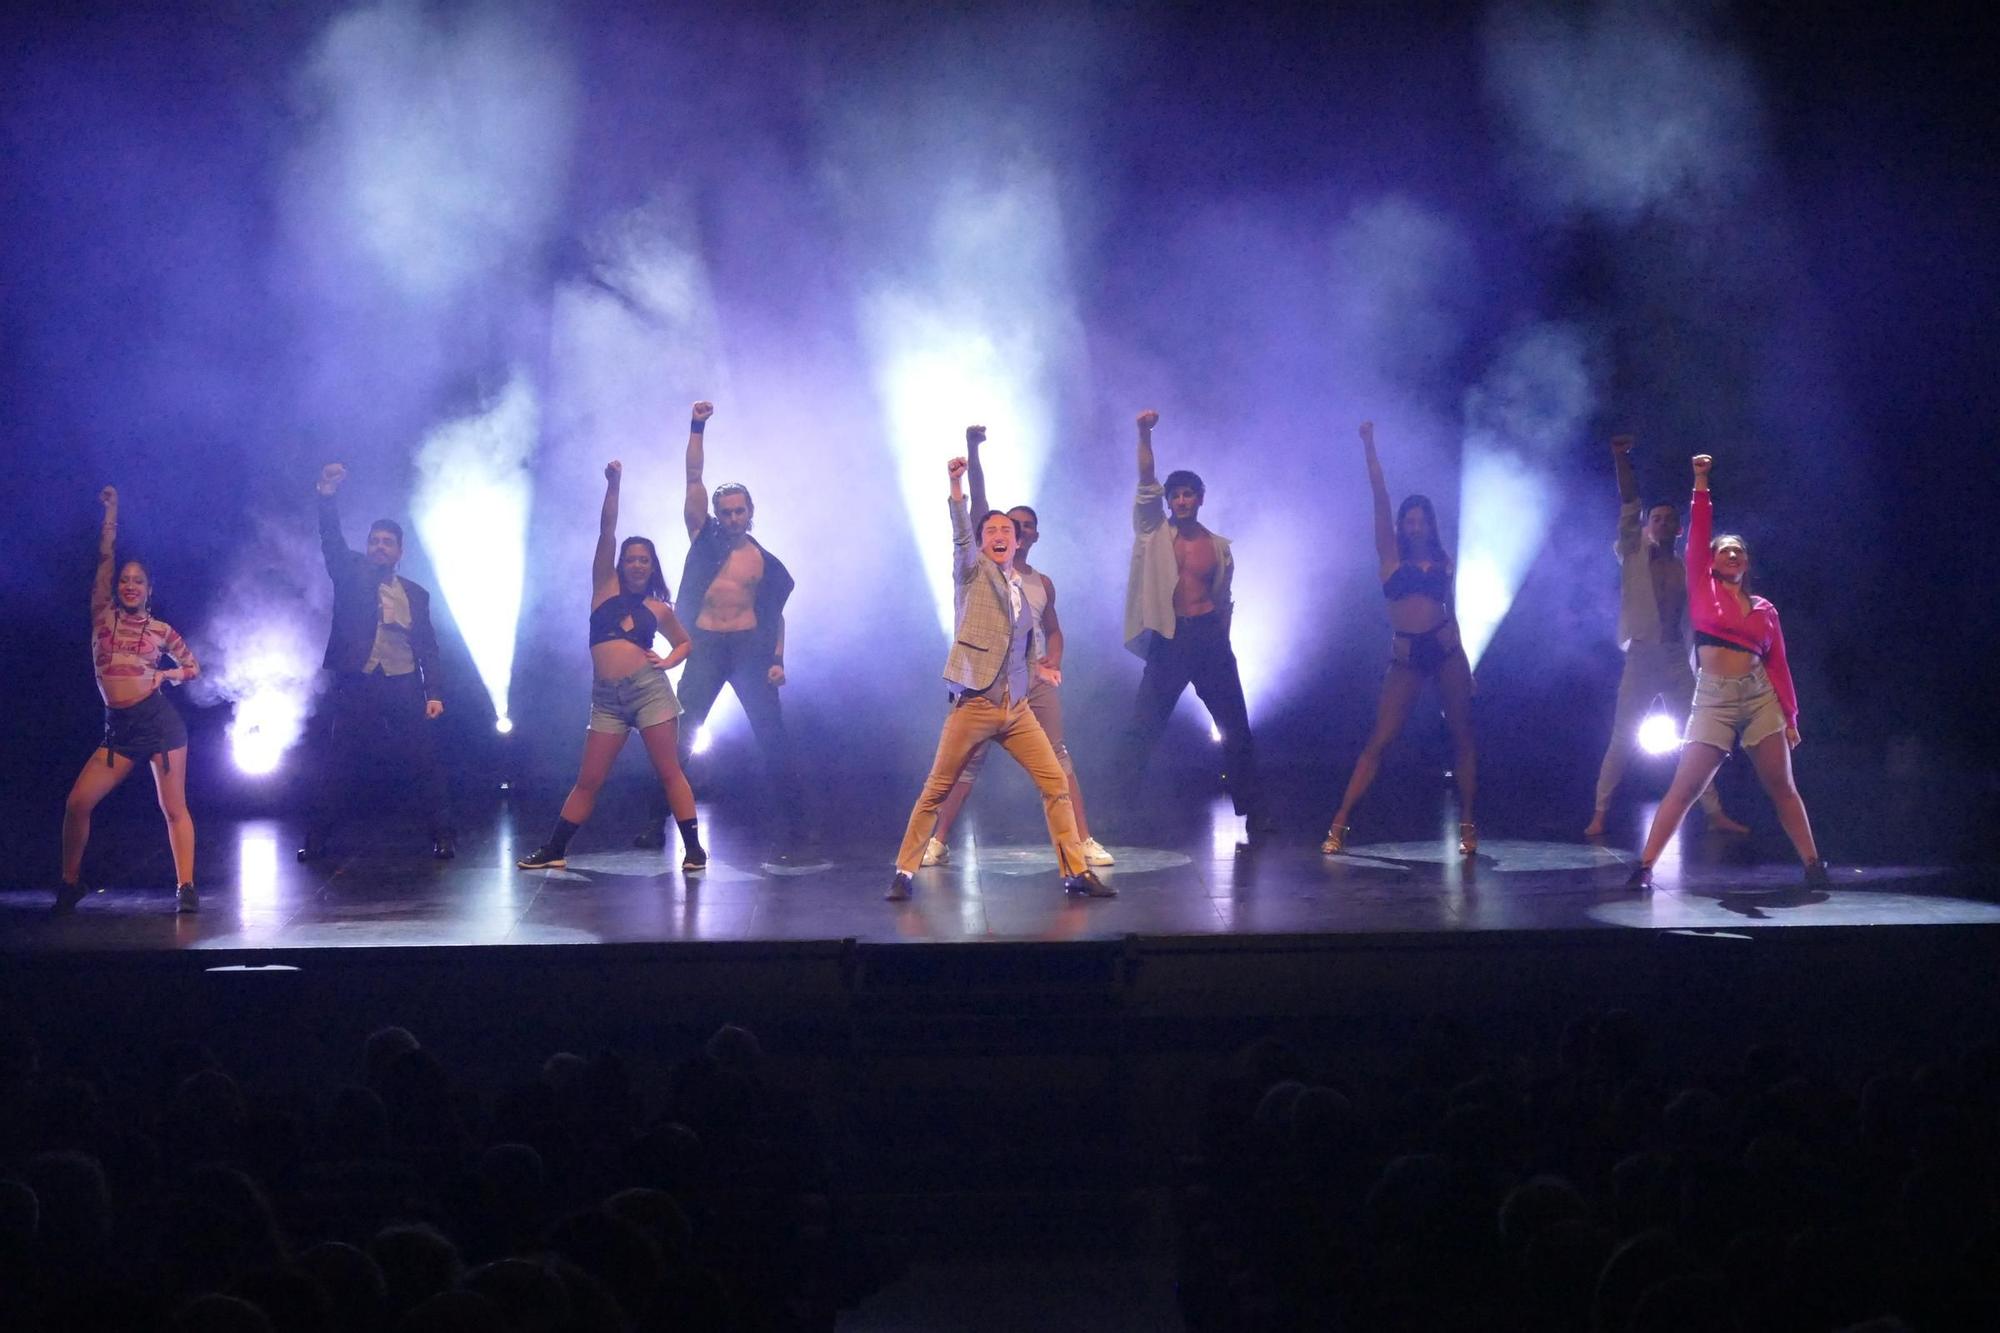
656 587
1437 553
118 571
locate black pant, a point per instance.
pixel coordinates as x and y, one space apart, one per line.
379 737
1198 655
740 659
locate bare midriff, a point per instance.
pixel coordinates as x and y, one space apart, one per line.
615 659
1194 568
123 652
731 601
1415 613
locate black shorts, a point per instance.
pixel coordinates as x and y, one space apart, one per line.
1425 653
151 726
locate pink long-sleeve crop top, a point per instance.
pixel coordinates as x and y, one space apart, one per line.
1714 610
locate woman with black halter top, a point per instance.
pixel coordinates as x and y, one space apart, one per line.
1417 581
628 606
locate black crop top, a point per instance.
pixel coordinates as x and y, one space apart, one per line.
1409 580
606 616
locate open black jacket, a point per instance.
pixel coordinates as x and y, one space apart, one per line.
357 607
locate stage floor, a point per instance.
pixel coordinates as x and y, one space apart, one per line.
383 891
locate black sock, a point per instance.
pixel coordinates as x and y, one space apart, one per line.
690 833
559 840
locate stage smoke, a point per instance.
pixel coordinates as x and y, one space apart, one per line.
1628 108
1525 413
472 512
263 642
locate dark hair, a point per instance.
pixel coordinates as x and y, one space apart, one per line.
734 488
1183 477
1715 543
1437 551
390 526
1029 510
656 585
118 568
980 526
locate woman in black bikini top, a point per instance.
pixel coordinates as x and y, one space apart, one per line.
1416 575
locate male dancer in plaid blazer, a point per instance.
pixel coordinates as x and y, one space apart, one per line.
994 655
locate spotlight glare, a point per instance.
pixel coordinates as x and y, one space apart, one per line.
1215 733
503 724
702 740
1658 735
267 723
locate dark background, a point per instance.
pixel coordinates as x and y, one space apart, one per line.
1824 329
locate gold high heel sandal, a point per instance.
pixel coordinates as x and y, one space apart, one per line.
1336 840
1468 840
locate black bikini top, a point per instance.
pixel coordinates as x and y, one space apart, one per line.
1413 580
607 616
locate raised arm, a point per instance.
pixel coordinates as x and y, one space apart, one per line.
695 508
332 545
1149 511
1628 494
964 556
975 474
1385 526
1701 527
1147 420
107 547
604 560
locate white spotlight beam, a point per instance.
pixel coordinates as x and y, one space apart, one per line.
472 512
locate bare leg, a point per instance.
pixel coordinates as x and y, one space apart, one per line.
662 741
1392 710
1772 758
1455 691
1696 770
599 749
170 783
93 784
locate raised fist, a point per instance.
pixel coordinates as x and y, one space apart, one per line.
1702 463
702 411
1622 444
975 436
108 497
331 476
1148 419
956 468
1368 433
613 470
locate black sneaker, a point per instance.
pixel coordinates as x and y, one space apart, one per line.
695 858
186 900
651 840
1088 885
313 848
544 857
444 847
899 888
1641 879
1817 876
67 897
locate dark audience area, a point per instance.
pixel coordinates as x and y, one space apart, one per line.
1592 1188
168 1194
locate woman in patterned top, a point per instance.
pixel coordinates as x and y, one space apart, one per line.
127 643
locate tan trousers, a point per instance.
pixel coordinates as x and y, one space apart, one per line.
973 722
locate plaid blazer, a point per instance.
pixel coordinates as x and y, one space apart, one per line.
985 612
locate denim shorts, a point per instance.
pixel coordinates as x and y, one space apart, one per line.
643 699
1728 709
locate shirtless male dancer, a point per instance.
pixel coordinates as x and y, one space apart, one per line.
1177 611
732 601
1044 693
1652 630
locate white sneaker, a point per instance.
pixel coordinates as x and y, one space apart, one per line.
936 853
1095 855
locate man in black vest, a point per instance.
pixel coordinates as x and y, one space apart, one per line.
732 601
383 653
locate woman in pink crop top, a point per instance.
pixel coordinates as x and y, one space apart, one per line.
1742 694
127 643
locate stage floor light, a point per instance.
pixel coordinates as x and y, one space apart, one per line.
1659 735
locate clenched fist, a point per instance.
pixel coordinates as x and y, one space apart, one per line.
331 476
